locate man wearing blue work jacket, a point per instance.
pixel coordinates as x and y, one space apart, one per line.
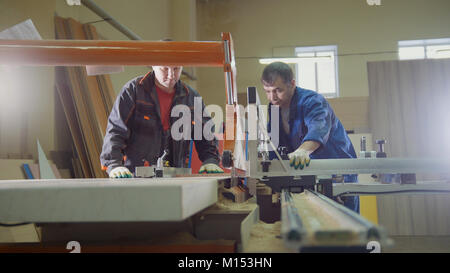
309 129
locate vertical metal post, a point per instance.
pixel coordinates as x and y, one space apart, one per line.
229 82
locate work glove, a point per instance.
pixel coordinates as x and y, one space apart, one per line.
299 158
120 172
210 168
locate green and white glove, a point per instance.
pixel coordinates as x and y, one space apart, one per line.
210 168
120 172
299 158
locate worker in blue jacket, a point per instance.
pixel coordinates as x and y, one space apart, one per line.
308 129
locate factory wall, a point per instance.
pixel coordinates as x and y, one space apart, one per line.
150 20
26 104
268 28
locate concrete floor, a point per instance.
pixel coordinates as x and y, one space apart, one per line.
419 244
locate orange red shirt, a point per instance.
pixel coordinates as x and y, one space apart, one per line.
165 101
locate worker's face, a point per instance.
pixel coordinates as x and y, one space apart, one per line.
167 76
279 92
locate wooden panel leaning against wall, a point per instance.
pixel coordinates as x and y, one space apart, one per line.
353 112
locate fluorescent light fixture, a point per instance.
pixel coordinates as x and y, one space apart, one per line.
295 60
73 2
443 53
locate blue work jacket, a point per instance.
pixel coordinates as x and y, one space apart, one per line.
312 118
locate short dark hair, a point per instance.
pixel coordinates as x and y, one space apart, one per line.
277 69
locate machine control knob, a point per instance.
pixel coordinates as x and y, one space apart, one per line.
381 153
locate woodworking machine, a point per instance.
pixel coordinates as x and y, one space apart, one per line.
304 200
108 210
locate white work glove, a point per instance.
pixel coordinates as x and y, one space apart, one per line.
210 168
120 172
299 158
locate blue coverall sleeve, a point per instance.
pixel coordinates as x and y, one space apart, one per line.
117 130
317 120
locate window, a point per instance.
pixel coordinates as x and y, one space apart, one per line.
317 69
424 49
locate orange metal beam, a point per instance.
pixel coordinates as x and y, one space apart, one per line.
81 52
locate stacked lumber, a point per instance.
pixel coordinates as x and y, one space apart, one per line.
86 100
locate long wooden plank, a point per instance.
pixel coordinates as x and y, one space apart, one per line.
90 131
65 95
72 81
324 225
104 81
91 89
86 126
71 116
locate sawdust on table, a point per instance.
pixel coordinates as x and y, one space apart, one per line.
265 237
224 203
262 229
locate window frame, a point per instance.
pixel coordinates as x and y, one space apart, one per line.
315 50
424 44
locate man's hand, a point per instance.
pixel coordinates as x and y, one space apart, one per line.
299 158
210 168
120 172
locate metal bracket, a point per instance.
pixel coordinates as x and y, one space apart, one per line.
291 183
325 187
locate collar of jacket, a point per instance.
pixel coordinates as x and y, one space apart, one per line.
292 105
148 81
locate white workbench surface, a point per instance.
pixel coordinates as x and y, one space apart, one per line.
104 200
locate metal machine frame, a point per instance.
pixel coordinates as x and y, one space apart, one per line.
316 180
